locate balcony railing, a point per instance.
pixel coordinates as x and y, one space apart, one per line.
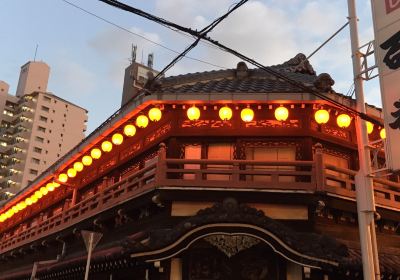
306 176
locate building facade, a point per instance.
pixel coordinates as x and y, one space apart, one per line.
36 127
228 174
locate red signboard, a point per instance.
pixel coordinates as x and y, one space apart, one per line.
392 5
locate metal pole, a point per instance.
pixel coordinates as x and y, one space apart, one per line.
364 183
89 256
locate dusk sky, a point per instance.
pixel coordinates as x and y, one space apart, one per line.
88 56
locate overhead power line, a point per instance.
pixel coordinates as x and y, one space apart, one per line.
269 70
138 35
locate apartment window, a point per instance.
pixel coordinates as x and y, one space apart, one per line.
35 160
39 139
43 119
37 150
33 171
41 128
46 98
46 109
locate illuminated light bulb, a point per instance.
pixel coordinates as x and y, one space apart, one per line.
106 146
247 115
38 194
44 191
117 139
34 199
382 133
193 113
129 130
78 166
155 114
87 160
142 121
28 201
71 173
50 187
63 178
225 113
343 120
281 113
95 153
370 127
15 209
321 116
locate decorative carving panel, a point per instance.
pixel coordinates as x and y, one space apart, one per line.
273 124
206 123
158 133
336 132
230 245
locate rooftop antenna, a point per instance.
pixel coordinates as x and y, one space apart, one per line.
34 58
150 60
133 54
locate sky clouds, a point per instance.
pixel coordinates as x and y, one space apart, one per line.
88 56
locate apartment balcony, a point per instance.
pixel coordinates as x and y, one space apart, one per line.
307 177
7 118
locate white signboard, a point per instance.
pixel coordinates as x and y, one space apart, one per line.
386 14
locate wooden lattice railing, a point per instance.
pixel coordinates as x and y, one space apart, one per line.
309 176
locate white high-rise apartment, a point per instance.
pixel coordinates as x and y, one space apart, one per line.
36 128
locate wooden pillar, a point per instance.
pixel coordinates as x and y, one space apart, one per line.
319 168
74 195
176 269
161 164
294 271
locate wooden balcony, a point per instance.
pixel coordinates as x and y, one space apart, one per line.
247 175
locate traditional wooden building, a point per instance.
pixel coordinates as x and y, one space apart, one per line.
228 174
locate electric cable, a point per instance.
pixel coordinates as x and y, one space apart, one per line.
141 36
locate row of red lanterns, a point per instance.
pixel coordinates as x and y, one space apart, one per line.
106 146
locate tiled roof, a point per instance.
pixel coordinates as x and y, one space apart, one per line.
242 79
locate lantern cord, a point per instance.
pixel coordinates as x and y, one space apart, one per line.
140 36
267 69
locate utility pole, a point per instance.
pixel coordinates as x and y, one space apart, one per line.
364 182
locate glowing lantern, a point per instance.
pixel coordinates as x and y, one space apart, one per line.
155 114
225 113
34 199
383 133
38 194
63 178
44 191
343 120
370 127
71 173
9 213
21 205
28 201
193 113
15 209
247 115
321 116
106 146
117 139
95 153
142 121
281 113
78 166
2 218
129 130
87 160
50 187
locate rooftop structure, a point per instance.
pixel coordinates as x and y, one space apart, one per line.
228 174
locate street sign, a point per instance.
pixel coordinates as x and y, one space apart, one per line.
386 15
